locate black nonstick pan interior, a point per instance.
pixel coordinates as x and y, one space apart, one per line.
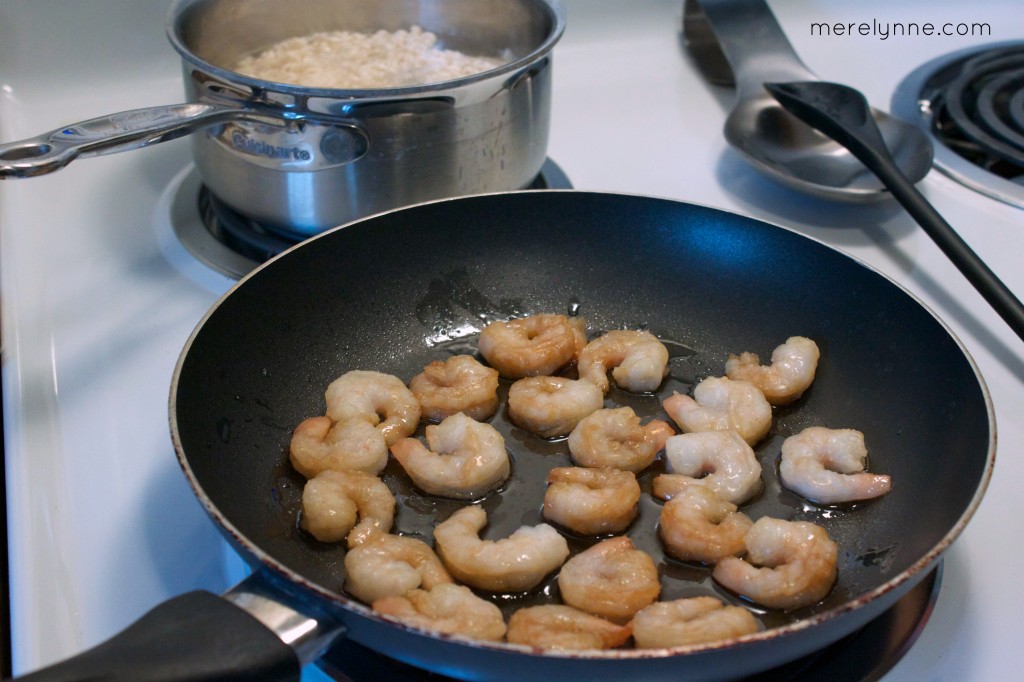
393 292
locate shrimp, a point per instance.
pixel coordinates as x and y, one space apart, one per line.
827 466
698 525
720 460
591 501
790 374
639 359
517 563
789 564
552 406
613 580
381 564
556 626
458 384
380 399
466 460
319 444
448 608
684 622
720 403
532 346
614 437
332 502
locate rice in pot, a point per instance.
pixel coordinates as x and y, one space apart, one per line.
354 61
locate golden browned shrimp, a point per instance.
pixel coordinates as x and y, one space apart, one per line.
552 406
382 565
591 501
532 346
319 444
448 608
719 404
378 398
332 502
615 437
638 360
556 626
827 466
613 580
794 364
683 622
720 460
517 563
698 525
458 384
466 460
789 564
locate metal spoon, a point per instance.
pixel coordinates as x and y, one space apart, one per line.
775 142
843 114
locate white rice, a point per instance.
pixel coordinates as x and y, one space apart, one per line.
350 60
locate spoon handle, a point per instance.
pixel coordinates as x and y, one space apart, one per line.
843 114
956 249
754 43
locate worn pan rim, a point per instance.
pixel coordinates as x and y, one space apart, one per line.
905 579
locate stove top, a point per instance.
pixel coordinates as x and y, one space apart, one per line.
98 294
971 103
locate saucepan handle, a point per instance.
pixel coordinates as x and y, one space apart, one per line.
116 133
199 636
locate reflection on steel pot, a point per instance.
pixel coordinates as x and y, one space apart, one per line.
302 159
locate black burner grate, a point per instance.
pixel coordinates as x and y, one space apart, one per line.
977 105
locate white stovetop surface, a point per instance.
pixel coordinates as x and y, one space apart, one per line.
97 300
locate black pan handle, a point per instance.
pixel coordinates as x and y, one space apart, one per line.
195 636
260 629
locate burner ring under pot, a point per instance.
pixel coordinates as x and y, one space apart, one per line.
234 244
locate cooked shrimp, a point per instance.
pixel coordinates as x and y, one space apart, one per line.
556 626
382 565
591 501
458 384
683 622
466 459
615 437
698 525
720 460
827 466
613 580
517 563
790 374
532 346
381 399
789 564
720 403
552 406
319 444
333 501
638 360
447 608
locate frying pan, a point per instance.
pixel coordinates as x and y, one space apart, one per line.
397 290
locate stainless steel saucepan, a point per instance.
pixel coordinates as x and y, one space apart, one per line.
302 159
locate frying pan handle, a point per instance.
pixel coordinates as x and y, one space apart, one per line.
260 629
195 636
